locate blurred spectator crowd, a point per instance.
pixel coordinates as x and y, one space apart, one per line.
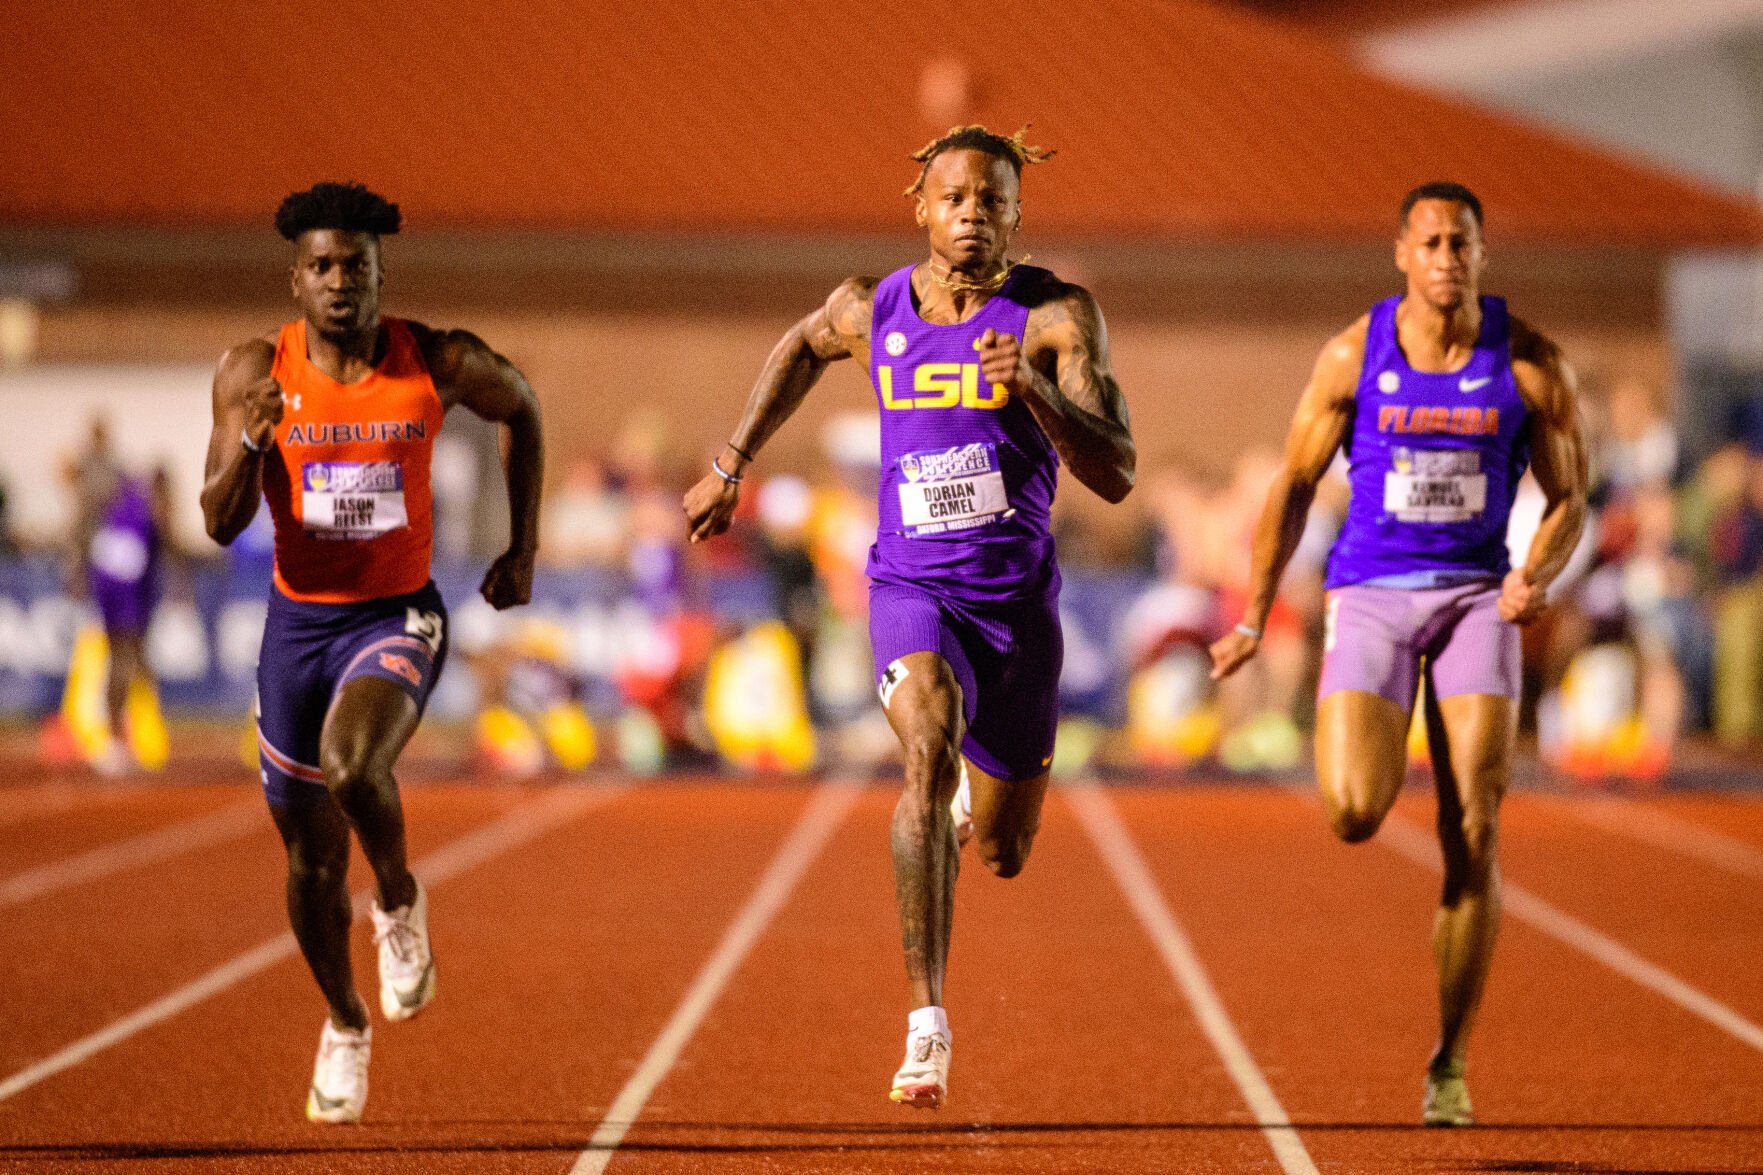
752 650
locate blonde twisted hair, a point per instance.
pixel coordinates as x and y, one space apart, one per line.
1013 149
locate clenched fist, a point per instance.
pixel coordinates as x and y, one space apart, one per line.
709 506
1231 652
509 581
1522 601
1001 361
263 411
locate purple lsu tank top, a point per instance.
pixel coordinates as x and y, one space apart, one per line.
967 476
1434 461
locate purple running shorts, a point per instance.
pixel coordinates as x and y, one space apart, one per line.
1007 657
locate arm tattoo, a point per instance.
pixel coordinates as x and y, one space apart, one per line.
1081 409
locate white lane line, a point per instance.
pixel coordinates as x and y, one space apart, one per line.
526 822
210 828
819 820
1409 841
1665 831
1102 822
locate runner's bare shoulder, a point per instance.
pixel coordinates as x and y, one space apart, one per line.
245 363
1531 346
1341 361
850 308
1538 366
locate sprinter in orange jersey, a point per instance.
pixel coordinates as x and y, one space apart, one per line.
332 420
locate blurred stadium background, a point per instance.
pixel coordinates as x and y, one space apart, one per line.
633 200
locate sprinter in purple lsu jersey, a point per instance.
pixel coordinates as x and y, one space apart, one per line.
989 374
1440 400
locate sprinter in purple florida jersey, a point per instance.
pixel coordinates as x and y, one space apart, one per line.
989 376
1439 399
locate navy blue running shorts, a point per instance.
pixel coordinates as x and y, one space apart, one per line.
310 651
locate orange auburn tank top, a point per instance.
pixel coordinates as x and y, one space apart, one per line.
348 482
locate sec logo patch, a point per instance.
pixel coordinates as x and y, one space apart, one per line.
895 344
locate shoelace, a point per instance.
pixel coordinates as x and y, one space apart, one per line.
402 938
924 1046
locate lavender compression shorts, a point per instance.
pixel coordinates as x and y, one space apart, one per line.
1374 639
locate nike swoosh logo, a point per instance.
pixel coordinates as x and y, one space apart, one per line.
1469 385
415 995
327 1103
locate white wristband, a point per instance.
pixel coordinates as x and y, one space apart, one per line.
1253 634
245 439
733 479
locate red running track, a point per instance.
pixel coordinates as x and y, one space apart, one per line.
570 924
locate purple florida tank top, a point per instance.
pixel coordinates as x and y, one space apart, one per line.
967 476
1434 460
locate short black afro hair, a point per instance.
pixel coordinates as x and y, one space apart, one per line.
351 208
1443 190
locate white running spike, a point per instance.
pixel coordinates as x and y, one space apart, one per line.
407 967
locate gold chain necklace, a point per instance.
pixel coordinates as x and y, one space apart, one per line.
961 284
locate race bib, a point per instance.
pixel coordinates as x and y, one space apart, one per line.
956 489
1445 485
352 499
120 554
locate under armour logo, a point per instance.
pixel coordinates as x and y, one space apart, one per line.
891 678
426 626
